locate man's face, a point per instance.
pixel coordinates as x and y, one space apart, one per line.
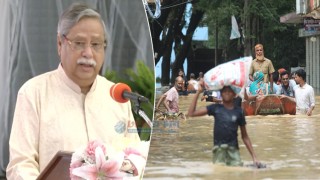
298 79
179 84
181 73
227 94
88 32
285 80
259 52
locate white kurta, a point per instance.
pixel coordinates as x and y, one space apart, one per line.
304 98
52 114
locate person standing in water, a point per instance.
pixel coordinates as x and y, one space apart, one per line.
304 94
170 99
228 118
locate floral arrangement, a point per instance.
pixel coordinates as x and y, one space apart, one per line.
98 161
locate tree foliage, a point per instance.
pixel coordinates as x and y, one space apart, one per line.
259 22
140 81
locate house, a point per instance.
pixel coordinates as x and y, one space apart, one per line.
308 14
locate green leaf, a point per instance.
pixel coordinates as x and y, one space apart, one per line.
141 81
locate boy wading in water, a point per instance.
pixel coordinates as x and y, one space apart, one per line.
228 118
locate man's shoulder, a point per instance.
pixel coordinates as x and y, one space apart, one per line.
292 85
254 60
220 108
292 82
238 109
308 86
38 81
172 89
215 106
104 81
267 60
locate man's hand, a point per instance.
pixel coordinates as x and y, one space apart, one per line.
204 97
259 164
309 112
260 93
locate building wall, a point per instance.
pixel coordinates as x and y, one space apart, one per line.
313 61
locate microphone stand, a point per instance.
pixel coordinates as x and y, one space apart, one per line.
141 113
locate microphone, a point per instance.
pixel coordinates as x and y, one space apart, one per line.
121 93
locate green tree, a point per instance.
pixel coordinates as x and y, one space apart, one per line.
259 22
167 35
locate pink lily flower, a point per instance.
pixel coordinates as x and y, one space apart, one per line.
103 169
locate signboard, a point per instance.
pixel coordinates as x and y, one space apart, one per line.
311 24
304 33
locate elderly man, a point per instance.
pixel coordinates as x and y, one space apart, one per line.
304 94
170 99
261 63
66 108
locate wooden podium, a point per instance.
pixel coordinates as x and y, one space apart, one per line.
58 167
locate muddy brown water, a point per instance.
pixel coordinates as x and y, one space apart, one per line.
287 144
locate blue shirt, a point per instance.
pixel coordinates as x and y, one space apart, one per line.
226 124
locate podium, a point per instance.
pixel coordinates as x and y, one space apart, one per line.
58 167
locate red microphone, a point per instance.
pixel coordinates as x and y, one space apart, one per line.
121 93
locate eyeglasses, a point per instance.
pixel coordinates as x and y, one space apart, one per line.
81 45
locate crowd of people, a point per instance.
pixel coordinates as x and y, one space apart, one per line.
226 106
265 80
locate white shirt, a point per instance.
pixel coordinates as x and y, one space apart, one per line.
304 97
194 83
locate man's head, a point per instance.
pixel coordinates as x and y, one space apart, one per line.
281 70
292 75
259 52
300 76
181 73
81 43
192 76
227 94
179 83
284 77
200 74
275 76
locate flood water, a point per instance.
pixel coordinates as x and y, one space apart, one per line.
287 144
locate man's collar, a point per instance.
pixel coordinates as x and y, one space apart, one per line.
303 85
264 58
